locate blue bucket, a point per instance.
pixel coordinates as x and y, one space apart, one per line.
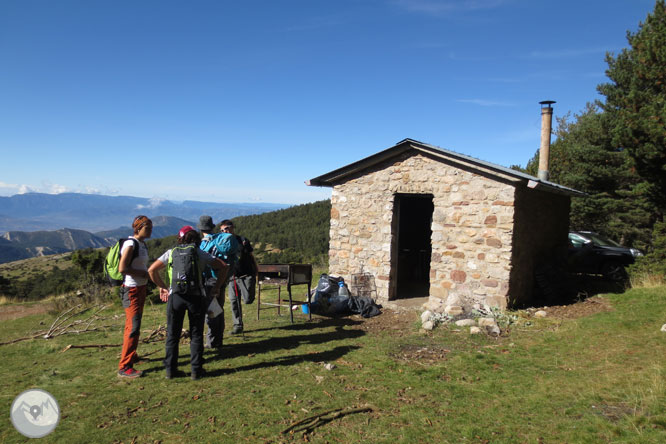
305 308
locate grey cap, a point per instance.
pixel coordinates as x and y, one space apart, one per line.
206 223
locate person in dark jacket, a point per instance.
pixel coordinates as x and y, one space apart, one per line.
243 278
192 301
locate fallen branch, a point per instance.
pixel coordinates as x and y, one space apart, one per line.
14 341
308 425
89 346
59 328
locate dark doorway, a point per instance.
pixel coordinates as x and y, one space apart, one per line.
414 221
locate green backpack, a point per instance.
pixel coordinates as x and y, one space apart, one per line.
112 262
183 271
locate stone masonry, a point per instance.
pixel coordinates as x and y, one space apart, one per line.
472 229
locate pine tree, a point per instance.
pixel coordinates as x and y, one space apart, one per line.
636 108
583 158
636 103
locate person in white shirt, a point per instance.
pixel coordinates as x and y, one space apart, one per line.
134 267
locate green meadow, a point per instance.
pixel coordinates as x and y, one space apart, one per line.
599 378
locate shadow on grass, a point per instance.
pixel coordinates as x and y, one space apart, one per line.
328 355
255 345
555 286
316 322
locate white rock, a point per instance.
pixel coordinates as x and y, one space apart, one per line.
493 330
425 316
487 322
453 299
540 314
453 310
663 328
428 325
474 330
466 323
329 366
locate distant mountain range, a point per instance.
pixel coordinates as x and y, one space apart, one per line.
94 212
37 224
16 245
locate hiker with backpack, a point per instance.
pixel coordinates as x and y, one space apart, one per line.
133 265
185 293
243 278
224 246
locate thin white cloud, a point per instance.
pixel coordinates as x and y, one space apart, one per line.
485 102
445 7
54 188
153 202
10 189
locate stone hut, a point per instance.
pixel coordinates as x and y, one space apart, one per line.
425 221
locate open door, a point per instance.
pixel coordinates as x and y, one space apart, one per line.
413 213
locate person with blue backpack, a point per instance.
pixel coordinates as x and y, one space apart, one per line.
223 246
242 277
185 293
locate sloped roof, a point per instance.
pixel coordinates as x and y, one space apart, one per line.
336 176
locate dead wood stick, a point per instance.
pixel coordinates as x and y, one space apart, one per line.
89 346
314 421
57 322
14 341
154 333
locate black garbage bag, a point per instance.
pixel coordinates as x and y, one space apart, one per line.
329 305
329 284
327 299
364 306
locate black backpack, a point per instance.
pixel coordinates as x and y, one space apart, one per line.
183 270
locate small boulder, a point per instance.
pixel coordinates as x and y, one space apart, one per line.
453 310
428 325
474 330
425 316
493 330
540 314
487 322
663 328
466 323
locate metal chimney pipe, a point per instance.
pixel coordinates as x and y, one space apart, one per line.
544 150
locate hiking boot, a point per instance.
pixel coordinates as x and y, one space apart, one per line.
129 372
238 329
170 374
198 374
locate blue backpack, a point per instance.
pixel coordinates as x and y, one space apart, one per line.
223 246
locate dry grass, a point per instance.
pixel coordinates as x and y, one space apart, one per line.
645 280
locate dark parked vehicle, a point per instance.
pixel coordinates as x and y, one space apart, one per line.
592 253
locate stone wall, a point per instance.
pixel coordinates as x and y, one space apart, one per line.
472 229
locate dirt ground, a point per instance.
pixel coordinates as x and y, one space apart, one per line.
20 310
401 322
587 307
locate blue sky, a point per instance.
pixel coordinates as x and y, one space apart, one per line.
244 101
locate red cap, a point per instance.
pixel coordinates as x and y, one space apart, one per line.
186 229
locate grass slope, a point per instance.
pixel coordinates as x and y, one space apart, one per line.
596 379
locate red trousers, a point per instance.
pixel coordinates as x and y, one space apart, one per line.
133 300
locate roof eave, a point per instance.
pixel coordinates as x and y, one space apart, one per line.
335 176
